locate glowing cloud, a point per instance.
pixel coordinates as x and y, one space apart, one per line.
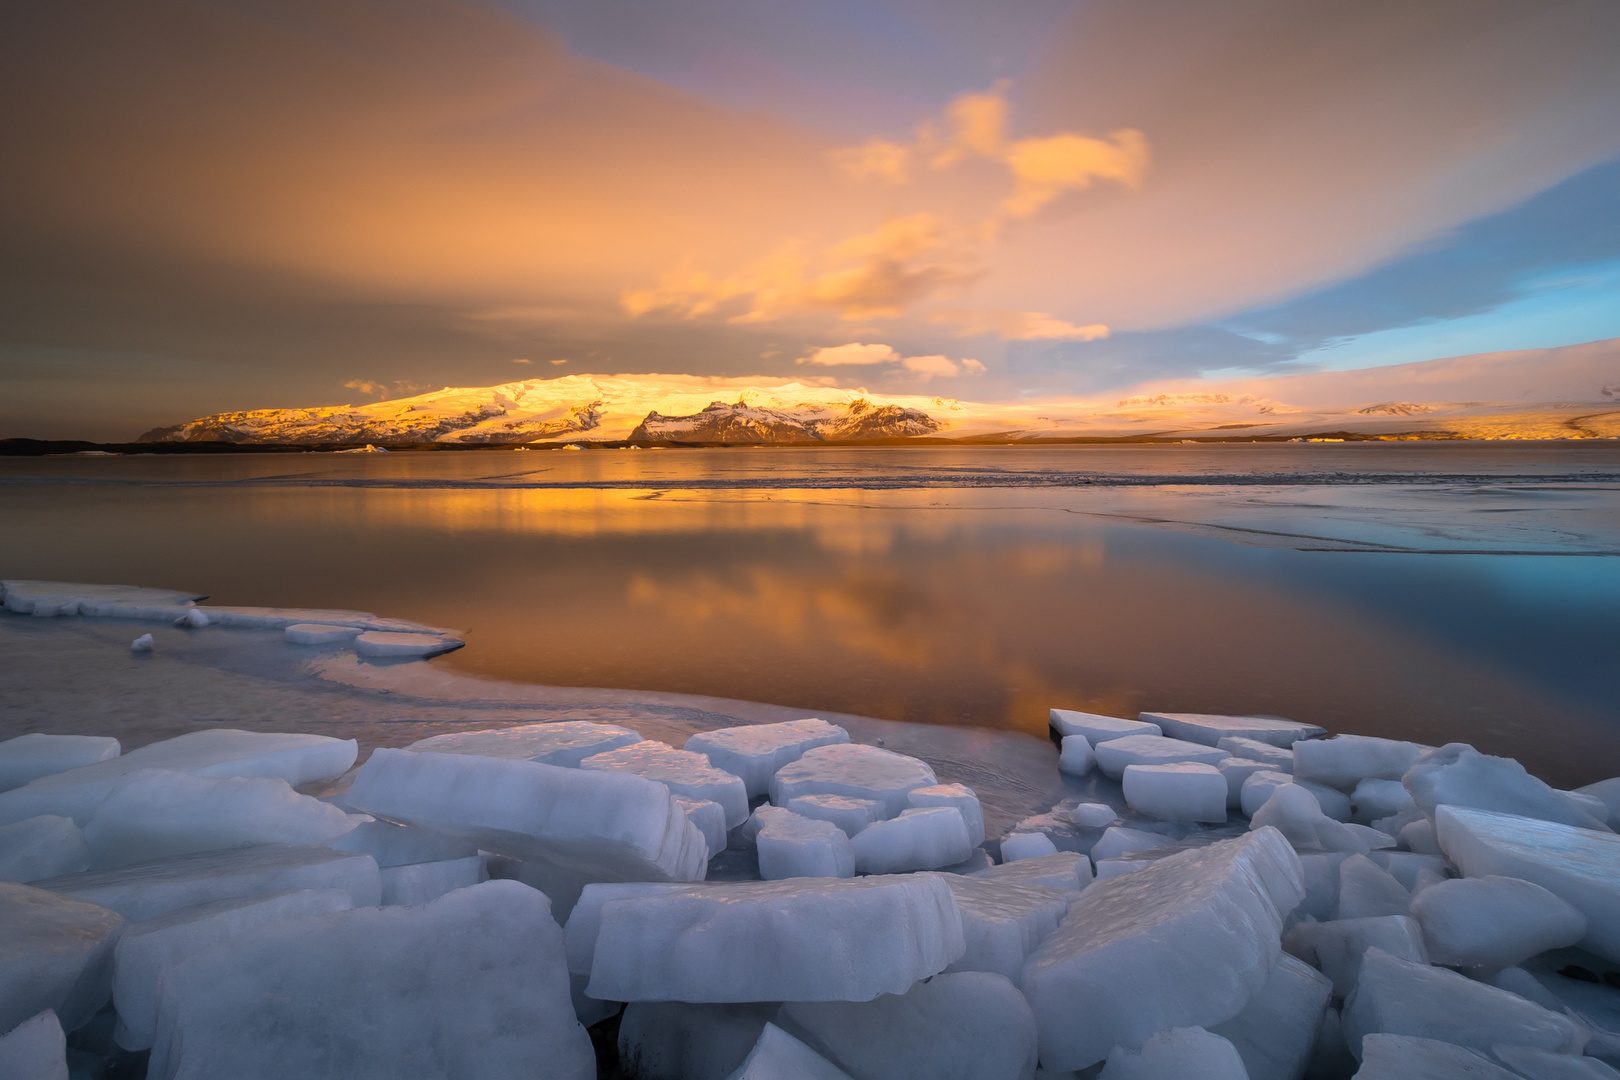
929 367
853 353
1045 168
366 386
1019 326
978 126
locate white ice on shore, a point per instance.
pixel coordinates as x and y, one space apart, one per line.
1580 866
1026 845
958 795
1295 812
403 645
142 644
155 813
1076 757
1400 997
970 1025
478 983
756 751
1276 757
682 771
779 1056
1115 754
1003 921
1367 890
417 883
604 826
146 947
1493 922
1067 870
147 890
925 838
55 953
862 772
1211 728
1237 772
319 634
42 847
709 818
1185 941
1336 948
1457 775
559 742
1183 791
850 815
677 1040
35 1049
1118 840
1608 793
1096 728
215 753
805 939
401 845
1533 1064
1373 799
1177 1054
1345 760
1090 815
791 846
1276 1030
1404 1057
28 757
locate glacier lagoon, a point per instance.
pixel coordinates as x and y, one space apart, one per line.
1435 592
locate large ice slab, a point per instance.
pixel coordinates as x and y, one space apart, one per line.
682 771
971 1025
1211 728
147 890
1533 1064
55 953
1185 941
1400 997
1276 1030
862 772
1580 866
473 984
1114 755
1183 791
806 939
1095 727
560 742
29 757
1175 1054
218 752
791 846
958 795
1067 870
1493 921
1254 750
606 826
709 818
155 813
1460 776
1367 890
779 1056
1003 921
850 815
1016 846
1345 760
677 1040
926 838
1403 1057
1337 948
756 751
46 599
404 644
42 847
1295 812
35 1049
146 947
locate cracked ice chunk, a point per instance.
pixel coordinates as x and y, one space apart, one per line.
29 757
791 846
1374 799
850 815
756 751
862 772
1091 815
1003 921
476 981
1606 792
1399 997
1295 812
779 1056
608 826
709 818
970 1025
1403 1057
1095 727
682 771
42 847
1115 754
219 752
1493 921
147 947
1580 866
418 883
147 890
401 845
1177 1054
1118 840
156 813
1237 771
1258 789
389 643
922 839
1367 890
1027 845
1184 791
1211 728
1533 1064
1276 1030
1337 948
675 1040
319 634
55 953
141 644
804 939
1067 870
1345 760
1458 775
1076 757
562 742
1184 941
1254 750
35 1049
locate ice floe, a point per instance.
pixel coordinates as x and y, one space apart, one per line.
29 757
563 742
758 751
1211 728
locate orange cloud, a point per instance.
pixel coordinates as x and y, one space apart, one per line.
1019 326
853 353
1045 168
978 126
875 159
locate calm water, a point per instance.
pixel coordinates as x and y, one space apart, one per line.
1433 592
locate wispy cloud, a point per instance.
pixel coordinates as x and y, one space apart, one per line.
858 353
1018 325
366 386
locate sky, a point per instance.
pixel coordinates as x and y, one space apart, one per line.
251 204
